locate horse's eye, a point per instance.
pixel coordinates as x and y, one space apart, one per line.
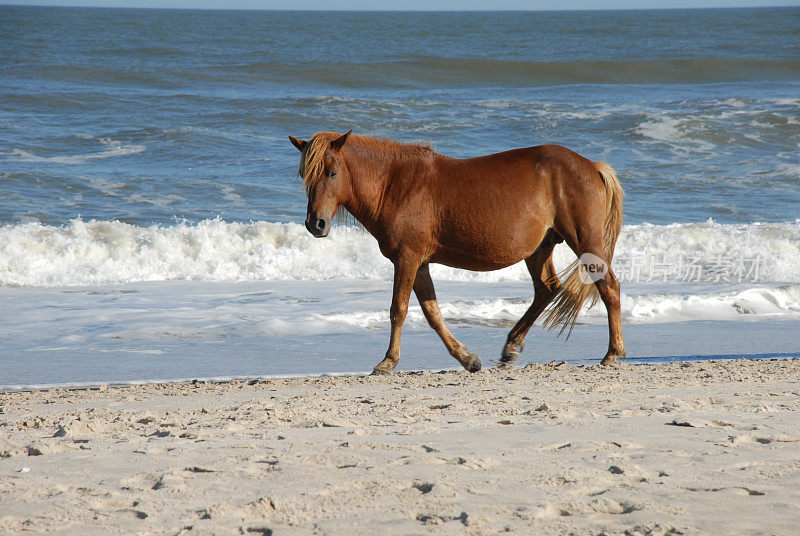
331 174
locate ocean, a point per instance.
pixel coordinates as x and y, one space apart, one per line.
151 217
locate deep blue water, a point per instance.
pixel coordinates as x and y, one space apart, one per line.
153 116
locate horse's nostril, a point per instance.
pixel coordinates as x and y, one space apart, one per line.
321 224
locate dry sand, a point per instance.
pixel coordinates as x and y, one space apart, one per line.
692 448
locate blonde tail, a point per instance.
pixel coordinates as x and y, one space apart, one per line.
573 291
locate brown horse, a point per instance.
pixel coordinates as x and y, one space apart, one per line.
481 214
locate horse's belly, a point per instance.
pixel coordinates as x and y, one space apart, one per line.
481 259
488 247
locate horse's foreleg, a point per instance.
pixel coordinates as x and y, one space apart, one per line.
609 290
405 271
423 288
546 286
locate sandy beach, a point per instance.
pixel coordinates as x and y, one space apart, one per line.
678 448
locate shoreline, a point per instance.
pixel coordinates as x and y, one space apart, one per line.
630 361
681 447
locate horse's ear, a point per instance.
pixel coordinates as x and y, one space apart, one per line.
338 142
300 144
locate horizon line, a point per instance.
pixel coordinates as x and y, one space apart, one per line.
445 10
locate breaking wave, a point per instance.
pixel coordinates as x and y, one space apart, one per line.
109 252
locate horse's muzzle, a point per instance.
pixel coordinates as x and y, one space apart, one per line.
319 227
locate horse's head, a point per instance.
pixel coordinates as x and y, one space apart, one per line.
325 177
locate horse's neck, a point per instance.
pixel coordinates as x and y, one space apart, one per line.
369 182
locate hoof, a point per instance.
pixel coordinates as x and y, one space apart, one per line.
508 357
611 359
472 363
510 354
381 372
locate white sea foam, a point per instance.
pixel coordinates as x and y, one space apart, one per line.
111 148
756 303
104 252
677 132
108 252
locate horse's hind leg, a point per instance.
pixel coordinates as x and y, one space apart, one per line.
423 288
546 286
610 294
609 289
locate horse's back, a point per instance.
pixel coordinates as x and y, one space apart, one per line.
499 207
523 180
539 158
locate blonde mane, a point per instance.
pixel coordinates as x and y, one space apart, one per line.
312 161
